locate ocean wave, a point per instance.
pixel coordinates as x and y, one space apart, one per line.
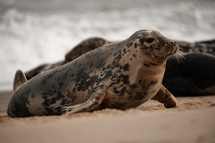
28 39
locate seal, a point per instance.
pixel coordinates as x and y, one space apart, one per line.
120 75
196 72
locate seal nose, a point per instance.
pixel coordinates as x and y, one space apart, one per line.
174 47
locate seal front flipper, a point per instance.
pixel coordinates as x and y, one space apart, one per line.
19 79
165 97
92 103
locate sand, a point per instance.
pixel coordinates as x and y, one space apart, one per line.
193 121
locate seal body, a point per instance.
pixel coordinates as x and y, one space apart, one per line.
120 75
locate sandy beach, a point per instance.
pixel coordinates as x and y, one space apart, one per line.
192 121
36 32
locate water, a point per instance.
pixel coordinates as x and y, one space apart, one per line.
35 32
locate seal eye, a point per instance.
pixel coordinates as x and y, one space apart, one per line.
150 40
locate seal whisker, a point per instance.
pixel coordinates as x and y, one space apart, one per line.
179 56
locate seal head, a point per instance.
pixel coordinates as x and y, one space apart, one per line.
155 47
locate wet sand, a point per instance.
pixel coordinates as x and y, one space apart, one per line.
192 121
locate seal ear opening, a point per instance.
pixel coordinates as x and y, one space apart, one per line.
19 79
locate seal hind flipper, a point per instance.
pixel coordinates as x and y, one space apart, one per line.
91 104
165 97
19 79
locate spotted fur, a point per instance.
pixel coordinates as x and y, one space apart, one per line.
112 76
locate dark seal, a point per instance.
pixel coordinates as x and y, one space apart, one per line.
193 76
